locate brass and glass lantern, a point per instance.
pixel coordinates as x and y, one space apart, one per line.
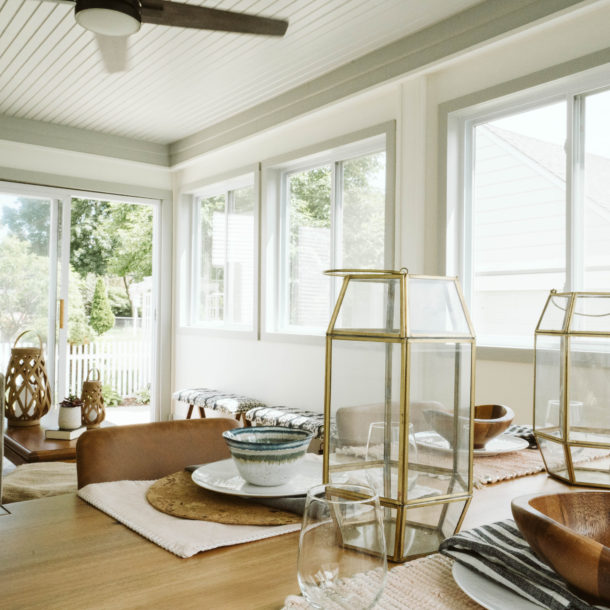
400 353
572 387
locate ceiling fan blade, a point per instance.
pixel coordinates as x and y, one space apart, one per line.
114 52
162 12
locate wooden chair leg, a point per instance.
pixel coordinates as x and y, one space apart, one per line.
202 412
190 412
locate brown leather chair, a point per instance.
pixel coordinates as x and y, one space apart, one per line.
149 451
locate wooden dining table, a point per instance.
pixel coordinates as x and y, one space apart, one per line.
60 552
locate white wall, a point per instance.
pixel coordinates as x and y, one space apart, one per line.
57 167
289 372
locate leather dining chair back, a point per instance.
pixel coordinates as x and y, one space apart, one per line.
149 451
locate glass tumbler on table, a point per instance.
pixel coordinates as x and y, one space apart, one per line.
382 452
342 553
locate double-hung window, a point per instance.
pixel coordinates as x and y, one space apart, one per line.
334 211
224 258
536 209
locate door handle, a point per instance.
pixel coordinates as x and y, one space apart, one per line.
61 313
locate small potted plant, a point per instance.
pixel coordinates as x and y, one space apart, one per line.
70 412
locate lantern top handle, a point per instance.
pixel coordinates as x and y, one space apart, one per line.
368 273
25 332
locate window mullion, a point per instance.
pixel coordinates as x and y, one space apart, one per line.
575 195
336 223
227 300
197 246
467 221
284 238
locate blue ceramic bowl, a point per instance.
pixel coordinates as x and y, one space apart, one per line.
267 455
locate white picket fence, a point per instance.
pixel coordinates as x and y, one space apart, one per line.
124 365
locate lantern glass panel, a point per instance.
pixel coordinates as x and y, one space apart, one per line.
589 469
435 308
359 401
439 408
591 314
588 375
549 385
427 526
371 304
383 451
554 456
555 313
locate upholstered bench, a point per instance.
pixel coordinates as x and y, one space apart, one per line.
288 417
233 404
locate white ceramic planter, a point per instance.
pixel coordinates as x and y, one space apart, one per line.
69 418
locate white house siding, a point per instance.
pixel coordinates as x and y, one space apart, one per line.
519 226
519 214
310 302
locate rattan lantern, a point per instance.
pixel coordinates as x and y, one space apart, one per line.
93 412
400 353
28 394
572 387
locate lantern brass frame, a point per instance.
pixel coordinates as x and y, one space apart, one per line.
397 553
565 334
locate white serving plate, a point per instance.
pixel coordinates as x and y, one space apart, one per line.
501 444
223 477
488 593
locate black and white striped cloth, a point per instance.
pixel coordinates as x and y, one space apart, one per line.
500 553
526 432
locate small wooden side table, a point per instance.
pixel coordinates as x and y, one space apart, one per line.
26 445
29 444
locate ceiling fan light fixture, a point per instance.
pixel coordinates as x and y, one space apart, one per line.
109 17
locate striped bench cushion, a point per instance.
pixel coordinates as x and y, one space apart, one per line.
216 400
288 417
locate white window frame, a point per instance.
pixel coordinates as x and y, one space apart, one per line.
275 174
458 157
218 185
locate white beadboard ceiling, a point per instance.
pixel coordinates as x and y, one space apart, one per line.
181 81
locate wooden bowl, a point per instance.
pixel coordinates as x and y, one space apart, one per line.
490 421
570 532
443 423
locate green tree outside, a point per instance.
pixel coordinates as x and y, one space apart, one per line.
101 318
107 239
24 283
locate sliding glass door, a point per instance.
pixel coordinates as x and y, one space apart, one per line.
78 269
30 269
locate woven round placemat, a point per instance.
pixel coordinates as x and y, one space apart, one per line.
177 495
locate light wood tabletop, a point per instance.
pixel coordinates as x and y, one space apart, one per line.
62 553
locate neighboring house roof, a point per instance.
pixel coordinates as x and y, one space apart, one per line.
551 158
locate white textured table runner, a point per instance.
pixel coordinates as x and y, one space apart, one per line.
126 502
421 584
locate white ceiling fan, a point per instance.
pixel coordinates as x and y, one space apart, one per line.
113 21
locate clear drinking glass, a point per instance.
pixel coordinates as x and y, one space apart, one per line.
383 451
342 553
